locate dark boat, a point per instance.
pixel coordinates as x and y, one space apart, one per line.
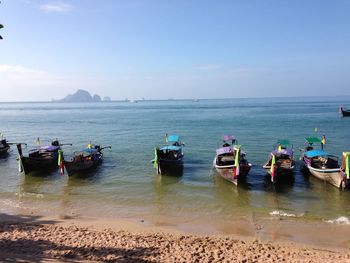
39 159
169 157
345 113
280 162
84 160
230 161
4 147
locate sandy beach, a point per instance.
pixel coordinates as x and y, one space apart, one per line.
38 239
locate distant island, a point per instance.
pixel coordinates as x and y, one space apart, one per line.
82 96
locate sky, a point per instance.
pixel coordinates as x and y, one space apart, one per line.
159 49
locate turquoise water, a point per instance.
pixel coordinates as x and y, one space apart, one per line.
126 185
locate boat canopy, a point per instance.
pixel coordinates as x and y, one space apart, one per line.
173 138
171 148
284 142
312 140
50 148
224 150
88 150
228 138
314 153
282 152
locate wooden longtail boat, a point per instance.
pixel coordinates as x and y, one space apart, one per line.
82 161
169 157
325 167
230 161
4 147
345 113
39 159
280 162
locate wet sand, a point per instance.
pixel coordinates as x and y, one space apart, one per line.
34 239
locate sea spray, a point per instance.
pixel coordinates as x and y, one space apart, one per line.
284 214
342 220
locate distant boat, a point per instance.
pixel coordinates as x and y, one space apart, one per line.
4 147
169 157
39 159
195 100
84 160
345 113
325 167
230 161
280 162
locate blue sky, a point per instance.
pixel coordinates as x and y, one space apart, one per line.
179 49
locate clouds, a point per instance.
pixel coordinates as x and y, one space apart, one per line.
56 7
20 83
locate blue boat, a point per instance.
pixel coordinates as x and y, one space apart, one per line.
84 160
170 156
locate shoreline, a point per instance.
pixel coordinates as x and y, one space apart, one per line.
43 238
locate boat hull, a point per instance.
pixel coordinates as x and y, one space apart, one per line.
226 171
168 166
31 164
81 167
280 170
331 176
345 113
4 151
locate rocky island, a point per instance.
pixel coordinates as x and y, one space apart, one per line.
81 96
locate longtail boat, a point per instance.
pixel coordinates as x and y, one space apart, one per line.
345 113
82 161
230 161
170 156
324 166
44 158
4 147
280 162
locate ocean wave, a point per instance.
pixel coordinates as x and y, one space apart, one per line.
27 194
284 214
342 220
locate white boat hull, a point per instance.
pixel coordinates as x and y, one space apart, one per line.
331 176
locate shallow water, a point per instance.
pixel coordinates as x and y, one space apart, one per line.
126 185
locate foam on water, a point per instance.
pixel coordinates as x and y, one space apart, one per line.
127 181
342 220
284 214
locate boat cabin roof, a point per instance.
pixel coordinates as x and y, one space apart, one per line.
284 142
228 138
173 138
86 152
171 148
315 153
288 152
312 140
227 149
49 148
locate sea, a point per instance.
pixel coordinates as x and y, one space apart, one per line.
126 185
